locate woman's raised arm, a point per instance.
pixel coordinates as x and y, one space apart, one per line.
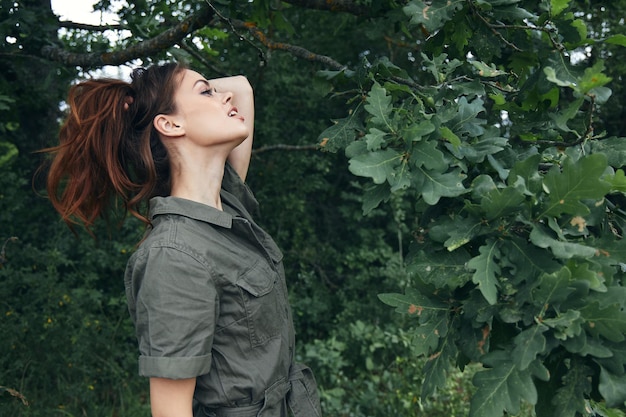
243 99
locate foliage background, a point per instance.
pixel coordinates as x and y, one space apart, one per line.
67 346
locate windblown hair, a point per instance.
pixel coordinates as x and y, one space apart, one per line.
108 147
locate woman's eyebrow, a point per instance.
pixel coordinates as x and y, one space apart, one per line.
201 81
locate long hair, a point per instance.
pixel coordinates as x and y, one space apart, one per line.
108 147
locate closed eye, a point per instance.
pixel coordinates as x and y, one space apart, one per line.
209 91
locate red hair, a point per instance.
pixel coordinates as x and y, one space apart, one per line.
108 147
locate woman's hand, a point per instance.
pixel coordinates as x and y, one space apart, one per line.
172 397
243 99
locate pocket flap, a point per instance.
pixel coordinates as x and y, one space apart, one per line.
259 280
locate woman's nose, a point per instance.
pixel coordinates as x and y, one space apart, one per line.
227 96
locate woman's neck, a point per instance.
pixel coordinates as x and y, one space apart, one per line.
199 180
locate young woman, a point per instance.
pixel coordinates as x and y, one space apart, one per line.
206 287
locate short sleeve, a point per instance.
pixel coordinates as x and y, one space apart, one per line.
173 302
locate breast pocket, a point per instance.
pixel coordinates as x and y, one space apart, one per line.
264 304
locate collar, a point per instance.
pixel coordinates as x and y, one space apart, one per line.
192 209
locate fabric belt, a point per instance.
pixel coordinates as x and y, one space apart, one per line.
299 392
246 411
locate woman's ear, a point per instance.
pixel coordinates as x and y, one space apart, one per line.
166 125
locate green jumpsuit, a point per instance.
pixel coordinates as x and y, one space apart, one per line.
206 292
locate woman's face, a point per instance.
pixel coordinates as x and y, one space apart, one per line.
207 117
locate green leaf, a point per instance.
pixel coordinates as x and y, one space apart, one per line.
465 120
566 326
433 16
528 345
461 231
593 78
528 170
585 345
552 289
593 279
374 195
473 342
441 269
614 148
485 70
559 79
462 35
569 400
578 180
425 153
487 270
378 104
375 138
513 13
418 130
613 388
563 75
557 6
527 262
413 303
502 388
377 165
568 113
560 249
340 134
448 135
499 203
434 185
618 39
400 178
606 321
476 150
437 365
8 152
427 335
580 27
618 181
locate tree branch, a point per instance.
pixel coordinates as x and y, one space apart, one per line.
84 26
146 48
297 51
347 6
285 148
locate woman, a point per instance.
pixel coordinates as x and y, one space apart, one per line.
206 287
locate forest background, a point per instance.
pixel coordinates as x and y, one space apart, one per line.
444 177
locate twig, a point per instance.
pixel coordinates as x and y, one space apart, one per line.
285 148
15 393
297 51
183 45
347 6
85 26
493 28
234 30
3 257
